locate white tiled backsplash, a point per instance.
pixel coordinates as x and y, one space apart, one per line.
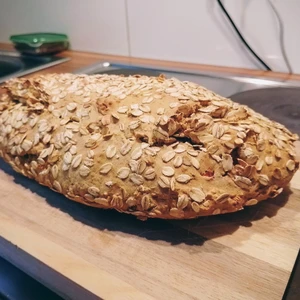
178 30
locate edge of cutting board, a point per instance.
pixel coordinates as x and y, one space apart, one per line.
88 281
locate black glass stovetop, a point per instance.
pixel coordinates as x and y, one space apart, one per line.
14 64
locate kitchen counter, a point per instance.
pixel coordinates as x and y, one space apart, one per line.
81 59
84 222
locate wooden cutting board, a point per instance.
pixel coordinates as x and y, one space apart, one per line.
85 253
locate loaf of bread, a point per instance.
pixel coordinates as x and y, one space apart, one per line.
147 146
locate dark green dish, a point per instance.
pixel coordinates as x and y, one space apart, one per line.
40 43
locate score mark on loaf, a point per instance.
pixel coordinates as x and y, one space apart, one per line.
148 146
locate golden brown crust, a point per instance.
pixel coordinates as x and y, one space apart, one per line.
152 147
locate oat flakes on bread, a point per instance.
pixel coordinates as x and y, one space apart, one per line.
148 146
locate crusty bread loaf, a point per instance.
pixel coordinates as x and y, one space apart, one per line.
151 147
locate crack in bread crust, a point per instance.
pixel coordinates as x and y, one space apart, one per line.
148 146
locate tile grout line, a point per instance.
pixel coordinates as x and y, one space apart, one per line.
127 28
